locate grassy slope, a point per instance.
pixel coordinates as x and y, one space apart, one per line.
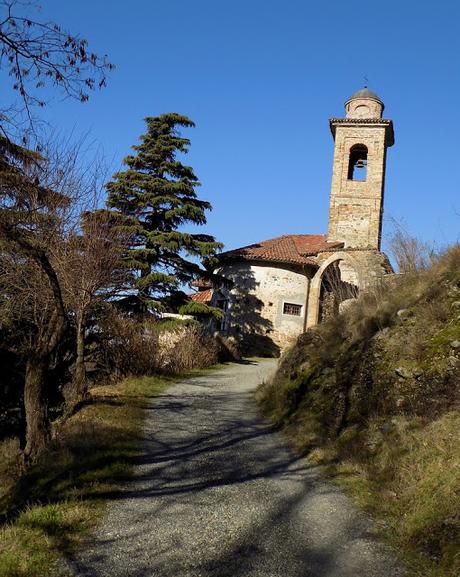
67 492
373 396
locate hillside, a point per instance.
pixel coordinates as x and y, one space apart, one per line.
373 396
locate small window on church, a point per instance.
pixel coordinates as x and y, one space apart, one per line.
292 309
357 167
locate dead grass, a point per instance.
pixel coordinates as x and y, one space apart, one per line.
373 396
56 504
9 449
410 482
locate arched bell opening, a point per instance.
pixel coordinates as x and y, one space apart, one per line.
357 164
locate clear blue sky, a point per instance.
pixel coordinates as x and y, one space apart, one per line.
261 78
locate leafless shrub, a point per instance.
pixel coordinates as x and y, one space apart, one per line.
127 348
410 253
194 350
90 271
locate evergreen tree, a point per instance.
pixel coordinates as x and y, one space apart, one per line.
156 196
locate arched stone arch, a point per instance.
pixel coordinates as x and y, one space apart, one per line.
353 274
357 162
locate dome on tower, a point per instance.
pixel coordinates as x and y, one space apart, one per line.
364 104
365 93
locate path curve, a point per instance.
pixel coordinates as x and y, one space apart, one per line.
219 494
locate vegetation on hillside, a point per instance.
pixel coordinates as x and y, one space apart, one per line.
373 394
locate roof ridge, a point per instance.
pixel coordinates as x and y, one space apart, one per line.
294 246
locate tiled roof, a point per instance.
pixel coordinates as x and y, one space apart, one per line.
287 249
202 296
201 283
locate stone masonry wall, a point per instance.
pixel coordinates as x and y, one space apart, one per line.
364 108
356 206
256 302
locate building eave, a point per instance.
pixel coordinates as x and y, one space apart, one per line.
363 122
305 262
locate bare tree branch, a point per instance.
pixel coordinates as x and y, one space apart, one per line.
38 55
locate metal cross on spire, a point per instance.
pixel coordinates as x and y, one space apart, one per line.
366 80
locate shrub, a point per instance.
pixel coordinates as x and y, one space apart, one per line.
127 348
193 349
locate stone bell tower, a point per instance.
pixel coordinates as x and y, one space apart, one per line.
358 177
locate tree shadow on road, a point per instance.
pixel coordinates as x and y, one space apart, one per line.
203 450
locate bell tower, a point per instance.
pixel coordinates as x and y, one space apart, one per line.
358 176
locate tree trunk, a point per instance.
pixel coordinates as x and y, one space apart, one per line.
80 386
36 409
35 401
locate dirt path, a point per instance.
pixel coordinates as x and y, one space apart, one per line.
218 493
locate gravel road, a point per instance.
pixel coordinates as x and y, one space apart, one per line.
219 493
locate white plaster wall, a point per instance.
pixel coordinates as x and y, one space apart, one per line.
256 301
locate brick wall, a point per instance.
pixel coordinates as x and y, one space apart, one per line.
356 207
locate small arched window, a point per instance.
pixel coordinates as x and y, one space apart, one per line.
357 166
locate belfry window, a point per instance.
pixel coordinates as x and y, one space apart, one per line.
357 167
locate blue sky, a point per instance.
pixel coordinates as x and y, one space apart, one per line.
261 78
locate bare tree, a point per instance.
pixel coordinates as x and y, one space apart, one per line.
90 271
40 202
29 223
37 55
32 326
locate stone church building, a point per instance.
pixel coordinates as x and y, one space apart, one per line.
282 286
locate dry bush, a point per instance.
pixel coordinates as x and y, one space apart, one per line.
193 350
377 307
127 348
410 253
131 347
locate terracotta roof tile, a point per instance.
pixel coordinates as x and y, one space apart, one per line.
202 296
288 249
201 283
